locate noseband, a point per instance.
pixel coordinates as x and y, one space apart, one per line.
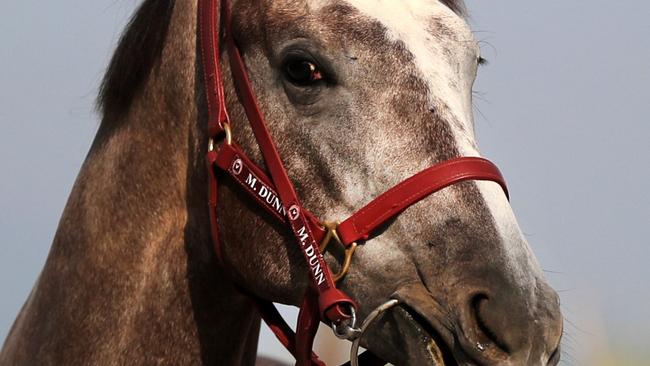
275 194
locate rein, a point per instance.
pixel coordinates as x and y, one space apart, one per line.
275 194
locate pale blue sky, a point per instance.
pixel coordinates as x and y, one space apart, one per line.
563 112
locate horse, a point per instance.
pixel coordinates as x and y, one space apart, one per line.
360 94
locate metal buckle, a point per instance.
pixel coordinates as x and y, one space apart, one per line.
228 132
349 251
347 329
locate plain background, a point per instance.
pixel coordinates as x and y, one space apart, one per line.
562 108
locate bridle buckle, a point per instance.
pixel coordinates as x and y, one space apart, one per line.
228 134
349 250
347 329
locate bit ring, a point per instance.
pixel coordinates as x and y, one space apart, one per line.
374 315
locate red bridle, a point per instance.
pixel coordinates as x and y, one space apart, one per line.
276 194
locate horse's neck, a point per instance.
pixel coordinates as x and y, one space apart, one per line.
131 277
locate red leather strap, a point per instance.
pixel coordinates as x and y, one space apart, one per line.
252 180
268 311
306 328
212 204
232 160
321 277
209 20
299 345
391 203
303 224
283 332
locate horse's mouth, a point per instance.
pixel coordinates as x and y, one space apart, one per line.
431 347
419 331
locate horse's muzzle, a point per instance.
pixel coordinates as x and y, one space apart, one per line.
423 331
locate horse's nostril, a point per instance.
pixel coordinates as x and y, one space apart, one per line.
484 323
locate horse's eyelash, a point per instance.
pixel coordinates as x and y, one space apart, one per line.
482 61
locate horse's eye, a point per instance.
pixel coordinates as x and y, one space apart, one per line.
302 72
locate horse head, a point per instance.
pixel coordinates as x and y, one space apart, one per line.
360 95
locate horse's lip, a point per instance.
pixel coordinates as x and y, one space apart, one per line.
434 318
437 346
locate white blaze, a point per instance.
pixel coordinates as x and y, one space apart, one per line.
448 75
447 64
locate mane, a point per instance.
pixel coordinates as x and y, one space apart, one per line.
139 48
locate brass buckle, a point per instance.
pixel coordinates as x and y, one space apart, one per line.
349 251
228 131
